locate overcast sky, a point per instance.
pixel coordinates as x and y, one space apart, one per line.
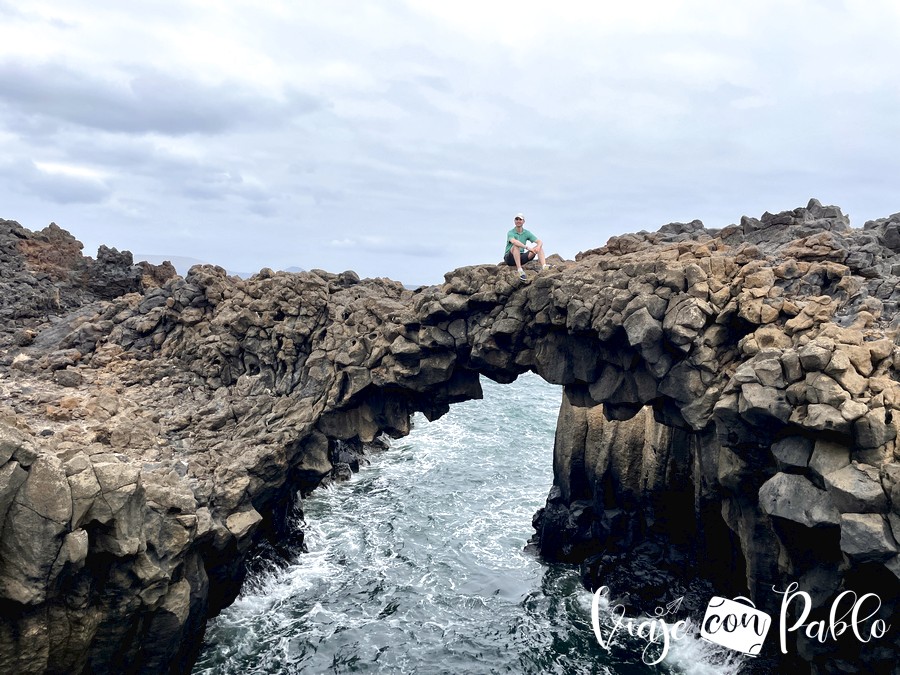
399 137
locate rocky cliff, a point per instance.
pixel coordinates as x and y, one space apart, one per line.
729 415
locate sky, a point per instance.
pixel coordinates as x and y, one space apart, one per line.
399 138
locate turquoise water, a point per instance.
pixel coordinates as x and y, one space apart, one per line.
416 565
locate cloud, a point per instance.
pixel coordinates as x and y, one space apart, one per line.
8 10
142 100
59 185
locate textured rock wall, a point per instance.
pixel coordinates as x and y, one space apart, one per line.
789 475
635 502
731 397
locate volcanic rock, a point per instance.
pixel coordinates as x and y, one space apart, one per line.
729 415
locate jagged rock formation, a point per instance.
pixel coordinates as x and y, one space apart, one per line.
730 398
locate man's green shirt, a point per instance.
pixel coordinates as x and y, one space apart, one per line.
524 236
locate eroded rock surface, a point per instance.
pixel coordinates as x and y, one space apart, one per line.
730 397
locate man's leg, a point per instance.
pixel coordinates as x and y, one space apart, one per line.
517 258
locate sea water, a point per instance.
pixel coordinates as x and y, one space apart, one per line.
417 565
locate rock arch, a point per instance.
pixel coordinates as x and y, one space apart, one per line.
744 378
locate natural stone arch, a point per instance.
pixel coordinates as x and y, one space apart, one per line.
765 348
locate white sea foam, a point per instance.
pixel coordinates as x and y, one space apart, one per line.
695 656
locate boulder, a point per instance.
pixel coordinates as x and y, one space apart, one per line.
866 537
795 498
856 488
793 451
828 456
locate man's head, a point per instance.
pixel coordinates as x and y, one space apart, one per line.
519 220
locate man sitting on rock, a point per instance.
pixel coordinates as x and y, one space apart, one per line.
522 246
